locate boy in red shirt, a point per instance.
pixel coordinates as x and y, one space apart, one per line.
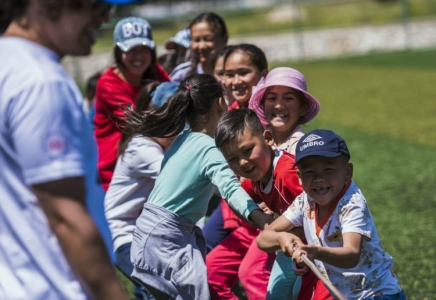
272 181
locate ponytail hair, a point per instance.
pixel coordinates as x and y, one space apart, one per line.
195 96
142 103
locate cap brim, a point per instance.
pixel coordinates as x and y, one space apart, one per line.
129 44
317 153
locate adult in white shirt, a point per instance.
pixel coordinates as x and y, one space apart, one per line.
49 246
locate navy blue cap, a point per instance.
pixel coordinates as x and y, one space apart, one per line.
321 142
163 91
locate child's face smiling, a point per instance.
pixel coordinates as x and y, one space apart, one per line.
137 60
283 108
240 75
323 178
250 156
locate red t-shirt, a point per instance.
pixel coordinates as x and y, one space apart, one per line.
281 191
111 95
283 188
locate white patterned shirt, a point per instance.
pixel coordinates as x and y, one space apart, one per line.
373 275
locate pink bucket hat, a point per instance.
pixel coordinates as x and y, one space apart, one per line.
287 77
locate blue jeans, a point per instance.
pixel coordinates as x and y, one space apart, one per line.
123 263
400 296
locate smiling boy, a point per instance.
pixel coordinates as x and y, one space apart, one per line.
342 238
269 179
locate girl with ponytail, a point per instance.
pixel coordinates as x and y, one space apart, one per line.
168 250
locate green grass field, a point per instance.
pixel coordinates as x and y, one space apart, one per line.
385 108
384 105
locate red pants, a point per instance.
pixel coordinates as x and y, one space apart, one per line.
239 258
313 289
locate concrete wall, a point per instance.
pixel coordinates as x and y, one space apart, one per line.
305 45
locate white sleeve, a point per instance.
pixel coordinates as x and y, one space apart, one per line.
355 216
48 128
294 213
144 157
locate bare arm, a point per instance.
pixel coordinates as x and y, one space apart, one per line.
64 205
260 218
346 257
277 237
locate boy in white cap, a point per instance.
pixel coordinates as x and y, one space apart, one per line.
339 228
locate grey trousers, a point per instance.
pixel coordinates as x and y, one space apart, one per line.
168 253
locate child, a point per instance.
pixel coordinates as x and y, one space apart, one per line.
208 34
244 66
269 178
343 241
135 62
178 50
168 249
253 66
281 100
218 70
138 165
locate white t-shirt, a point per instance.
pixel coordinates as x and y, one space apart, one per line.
133 179
374 272
291 142
43 137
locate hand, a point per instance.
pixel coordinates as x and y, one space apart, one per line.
266 209
311 252
288 242
260 218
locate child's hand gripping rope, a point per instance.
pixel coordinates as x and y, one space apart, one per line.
304 254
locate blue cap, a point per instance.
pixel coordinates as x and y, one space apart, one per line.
163 91
131 32
182 38
321 142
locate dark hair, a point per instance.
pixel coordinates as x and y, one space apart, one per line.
150 73
172 58
219 27
15 9
195 96
221 52
257 56
91 85
233 124
142 103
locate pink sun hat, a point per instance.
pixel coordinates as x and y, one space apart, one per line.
286 77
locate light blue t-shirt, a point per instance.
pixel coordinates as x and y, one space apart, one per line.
44 136
191 169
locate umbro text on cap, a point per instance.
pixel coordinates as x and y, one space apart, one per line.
321 142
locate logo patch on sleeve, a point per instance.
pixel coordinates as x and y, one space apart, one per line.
55 145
